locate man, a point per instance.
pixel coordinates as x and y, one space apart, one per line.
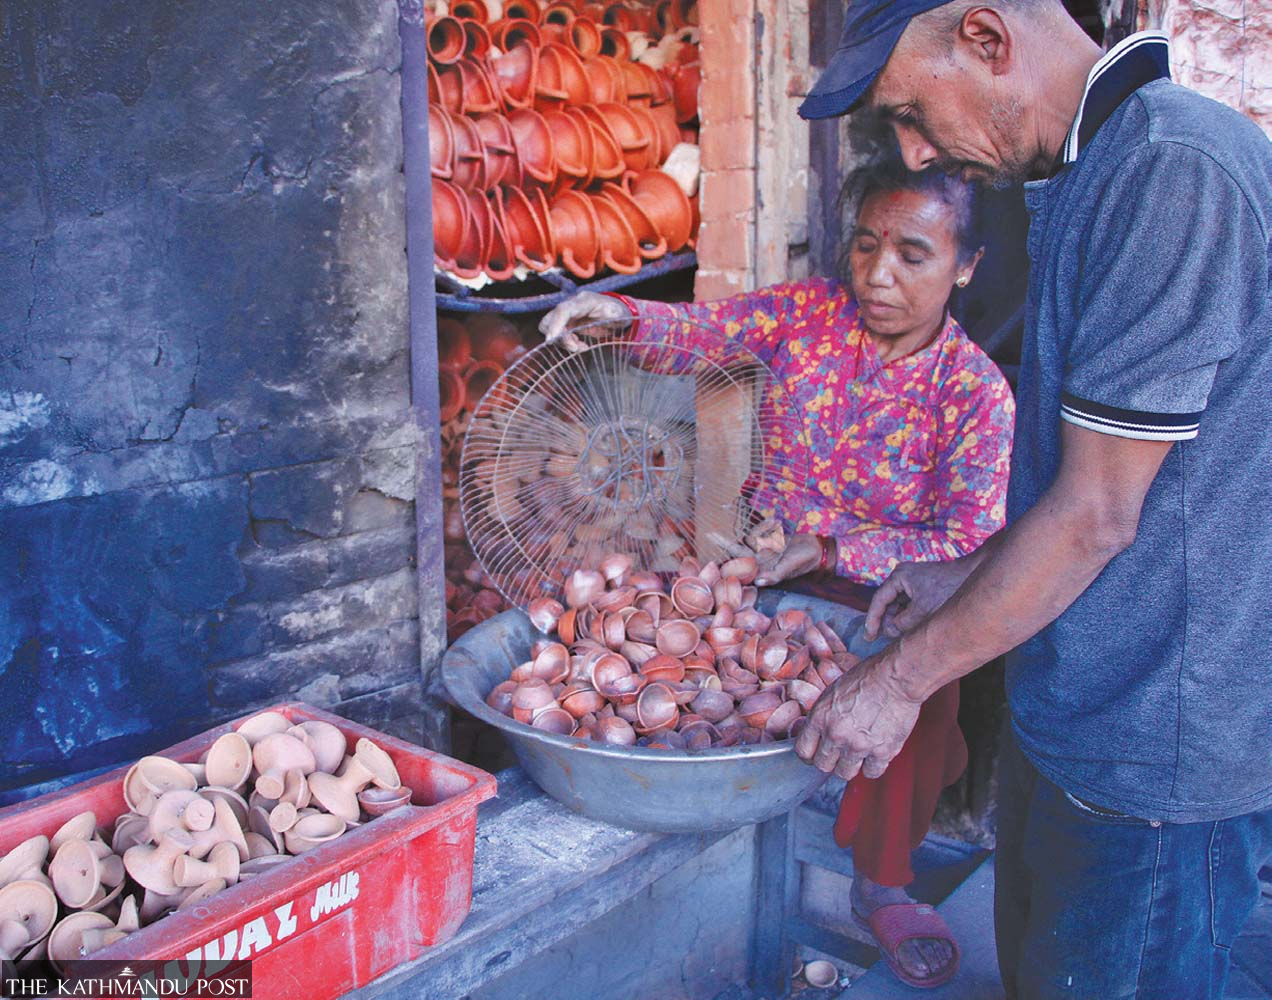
1132 581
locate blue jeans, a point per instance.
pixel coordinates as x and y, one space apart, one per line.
1098 905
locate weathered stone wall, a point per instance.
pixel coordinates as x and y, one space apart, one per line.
207 458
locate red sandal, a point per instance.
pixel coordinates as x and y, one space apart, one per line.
896 923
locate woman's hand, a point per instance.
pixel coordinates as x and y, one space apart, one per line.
803 554
911 593
559 325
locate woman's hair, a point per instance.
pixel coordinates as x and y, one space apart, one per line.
888 174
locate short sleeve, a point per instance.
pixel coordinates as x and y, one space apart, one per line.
1175 269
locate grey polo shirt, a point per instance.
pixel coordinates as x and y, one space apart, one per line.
1150 316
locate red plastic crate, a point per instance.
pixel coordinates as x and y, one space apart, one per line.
333 918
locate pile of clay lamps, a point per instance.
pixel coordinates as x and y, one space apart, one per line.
562 134
472 354
260 794
686 667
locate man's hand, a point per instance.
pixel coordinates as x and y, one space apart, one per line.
911 593
860 722
560 326
802 555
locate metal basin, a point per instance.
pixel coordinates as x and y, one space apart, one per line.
670 791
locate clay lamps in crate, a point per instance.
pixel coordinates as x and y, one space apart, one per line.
378 801
515 71
25 861
149 778
338 794
529 227
575 224
445 40
532 140
450 222
619 250
314 830
663 201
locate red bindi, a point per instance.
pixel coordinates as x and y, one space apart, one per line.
885 234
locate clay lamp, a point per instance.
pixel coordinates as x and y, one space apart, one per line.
445 40
264 724
500 266
656 708
476 40
500 697
663 201
565 68
229 761
199 894
527 10
338 794
554 720
258 820
756 709
258 846
130 830
66 942
555 20
150 777
531 696
779 723
575 225
574 148
471 258
312 831
632 133
225 827
511 31
677 638
664 118
450 87
619 250
533 142
692 597
619 15
515 71
583 587
75 874
152 867
25 861
470 10
585 35
450 222
441 142
237 804
650 243
155 904
479 94
274 756
478 380
615 731
544 614
580 699
639 87
32 906
325 741
614 44
13 939
607 156
662 667
378 801
222 863
648 127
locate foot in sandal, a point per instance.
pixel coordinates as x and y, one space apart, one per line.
914 939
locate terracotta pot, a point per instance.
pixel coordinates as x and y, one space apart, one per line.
479 94
650 242
619 251
585 36
632 133
533 142
441 142
445 40
473 10
450 222
511 30
685 81
470 261
501 155
500 257
478 380
614 44
469 170
476 40
605 80
575 225
526 216
561 79
663 201
574 147
514 73
607 155
528 10
450 87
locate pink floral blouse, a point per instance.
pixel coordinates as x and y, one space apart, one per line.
908 460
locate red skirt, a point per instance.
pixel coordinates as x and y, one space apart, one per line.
884 819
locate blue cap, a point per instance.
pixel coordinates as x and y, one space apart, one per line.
872 29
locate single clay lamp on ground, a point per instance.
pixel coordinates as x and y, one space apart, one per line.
264 724
222 863
274 756
66 942
514 71
325 740
24 861
445 40
575 224
30 904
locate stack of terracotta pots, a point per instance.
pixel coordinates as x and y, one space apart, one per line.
547 127
472 354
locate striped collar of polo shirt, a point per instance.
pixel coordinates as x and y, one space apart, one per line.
1136 60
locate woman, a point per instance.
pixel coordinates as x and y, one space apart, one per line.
910 426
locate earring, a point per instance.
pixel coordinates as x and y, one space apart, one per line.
962 282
